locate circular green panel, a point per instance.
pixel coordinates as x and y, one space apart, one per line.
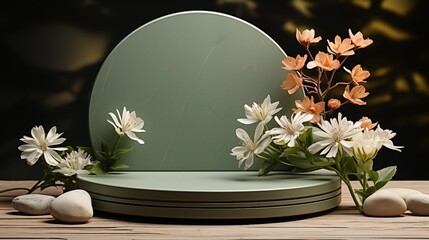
188 75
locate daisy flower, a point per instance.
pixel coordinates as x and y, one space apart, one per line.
74 163
260 112
249 148
335 134
40 144
289 130
127 123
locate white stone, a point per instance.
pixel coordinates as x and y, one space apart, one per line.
384 203
72 207
418 204
33 204
403 192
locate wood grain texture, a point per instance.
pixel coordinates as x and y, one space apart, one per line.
343 222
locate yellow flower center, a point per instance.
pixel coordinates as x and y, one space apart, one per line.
258 111
250 145
44 146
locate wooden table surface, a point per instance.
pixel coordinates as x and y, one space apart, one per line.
343 222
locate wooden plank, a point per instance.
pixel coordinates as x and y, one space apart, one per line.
343 222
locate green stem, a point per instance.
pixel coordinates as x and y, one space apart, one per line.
365 182
346 180
352 193
118 139
263 157
36 185
29 190
274 148
13 189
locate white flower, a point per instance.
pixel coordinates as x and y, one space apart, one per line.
74 163
366 144
289 130
40 144
335 134
257 112
245 153
384 137
128 123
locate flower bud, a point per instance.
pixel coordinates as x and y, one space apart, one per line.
367 123
334 103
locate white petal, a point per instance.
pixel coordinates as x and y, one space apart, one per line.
82 172
134 137
258 131
32 158
311 65
264 144
347 70
241 134
56 141
249 162
291 142
51 134
115 119
333 151
246 120
51 157
238 150
276 131
317 146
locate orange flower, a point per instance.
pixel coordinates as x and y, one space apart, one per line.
307 37
341 48
358 40
292 83
334 103
358 74
324 61
295 64
367 123
355 94
308 106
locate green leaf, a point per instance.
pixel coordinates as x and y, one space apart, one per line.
323 164
373 175
299 160
306 137
384 176
318 160
348 166
119 166
267 167
97 169
369 191
104 146
290 150
369 164
122 151
104 155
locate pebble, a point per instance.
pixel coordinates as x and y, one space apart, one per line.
33 204
403 192
72 207
384 203
418 204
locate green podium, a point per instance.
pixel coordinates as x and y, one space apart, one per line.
188 75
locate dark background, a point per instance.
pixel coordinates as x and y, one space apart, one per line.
51 52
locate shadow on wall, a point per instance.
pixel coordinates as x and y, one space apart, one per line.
51 53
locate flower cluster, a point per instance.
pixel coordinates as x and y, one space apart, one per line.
63 164
309 139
